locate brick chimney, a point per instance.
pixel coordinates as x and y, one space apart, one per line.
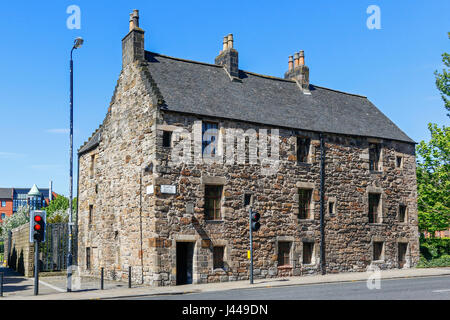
133 42
228 57
300 72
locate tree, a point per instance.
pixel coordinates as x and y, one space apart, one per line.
57 209
433 166
16 220
443 80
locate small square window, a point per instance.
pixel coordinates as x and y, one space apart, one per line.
398 161
303 145
247 199
374 156
88 258
304 203
91 213
218 257
308 249
374 208
402 213
378 251
331 207
167 139
284 249
213 198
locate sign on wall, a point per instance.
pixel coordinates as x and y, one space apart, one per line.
168 189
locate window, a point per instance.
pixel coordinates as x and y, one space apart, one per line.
210 132
374 208
88 258
92 168
218 257
284 249
96 188
3 216
331 206
378 251
402 250
374 156
304 203
303 149
308 249
167 139
398 161
3 203
213 197
247 199
402 213
91 212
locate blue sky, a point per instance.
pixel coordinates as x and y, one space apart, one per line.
392 66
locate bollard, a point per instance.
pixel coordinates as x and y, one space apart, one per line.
101 279
129 276
1 284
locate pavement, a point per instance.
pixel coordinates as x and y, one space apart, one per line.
53 288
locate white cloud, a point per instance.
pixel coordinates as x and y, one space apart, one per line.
57 130
10 155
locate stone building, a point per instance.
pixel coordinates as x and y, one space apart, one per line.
341 197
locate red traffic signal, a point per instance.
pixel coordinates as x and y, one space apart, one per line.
37 218
38 225
255 216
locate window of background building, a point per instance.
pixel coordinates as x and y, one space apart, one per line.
284 249
378 251
210 133
374 208
3 203
213 198
304 203
167 139
374 156
402 213
218 257
3 216
303 149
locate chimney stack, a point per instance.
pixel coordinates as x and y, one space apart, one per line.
300 72
291 64
133 42
228 57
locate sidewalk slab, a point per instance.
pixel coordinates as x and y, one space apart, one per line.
221 286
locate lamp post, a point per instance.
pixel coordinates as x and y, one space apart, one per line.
77 44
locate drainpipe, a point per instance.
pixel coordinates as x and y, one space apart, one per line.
322 205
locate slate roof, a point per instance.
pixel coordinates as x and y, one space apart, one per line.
206 89
92 142
6 193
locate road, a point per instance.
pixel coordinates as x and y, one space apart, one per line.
435 288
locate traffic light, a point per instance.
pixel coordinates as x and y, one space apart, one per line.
255 221
37 225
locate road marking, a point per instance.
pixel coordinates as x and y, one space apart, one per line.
443 290
50 286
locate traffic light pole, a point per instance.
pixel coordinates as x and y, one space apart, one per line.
251 244
36 267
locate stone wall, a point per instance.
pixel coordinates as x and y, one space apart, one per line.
20 256
132 228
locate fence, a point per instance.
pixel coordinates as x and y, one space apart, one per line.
52 252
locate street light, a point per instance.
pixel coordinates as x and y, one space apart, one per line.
77 44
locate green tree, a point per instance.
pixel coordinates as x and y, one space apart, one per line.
19 218
433 166
57 209
443 80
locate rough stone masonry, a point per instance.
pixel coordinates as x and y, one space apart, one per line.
138 208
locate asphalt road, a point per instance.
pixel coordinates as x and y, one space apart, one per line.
435 288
